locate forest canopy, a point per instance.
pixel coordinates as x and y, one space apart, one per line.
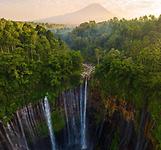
33 63
94 39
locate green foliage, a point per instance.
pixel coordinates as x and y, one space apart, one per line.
57 120
115 142
43 129
155 108
32 63
58 123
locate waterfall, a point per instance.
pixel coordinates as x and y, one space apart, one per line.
31 127
67 119
49 122
22 131
75 106
83 108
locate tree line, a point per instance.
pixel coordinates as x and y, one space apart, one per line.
94 39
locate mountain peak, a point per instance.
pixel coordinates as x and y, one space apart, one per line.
96 7
94 11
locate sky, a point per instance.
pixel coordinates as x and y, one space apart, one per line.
28 10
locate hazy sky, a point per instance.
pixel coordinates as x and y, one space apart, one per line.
35 9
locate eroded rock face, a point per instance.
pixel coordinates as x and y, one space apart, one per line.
113 124
110 123
36 126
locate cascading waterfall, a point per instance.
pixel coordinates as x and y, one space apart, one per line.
75 106
83 118
31 127
49 122
22 131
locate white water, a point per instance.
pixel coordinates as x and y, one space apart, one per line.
49 122
27 121
22 130
67 119
83 108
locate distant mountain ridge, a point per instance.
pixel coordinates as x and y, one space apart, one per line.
92 12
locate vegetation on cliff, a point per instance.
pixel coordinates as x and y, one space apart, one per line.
136 80
129 76
32 63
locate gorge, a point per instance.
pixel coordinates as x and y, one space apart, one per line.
32 127
95 87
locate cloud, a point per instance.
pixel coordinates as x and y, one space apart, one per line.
134 8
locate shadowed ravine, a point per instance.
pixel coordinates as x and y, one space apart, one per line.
33 127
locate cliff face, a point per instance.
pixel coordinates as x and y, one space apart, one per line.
58 124
115 125
80 118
